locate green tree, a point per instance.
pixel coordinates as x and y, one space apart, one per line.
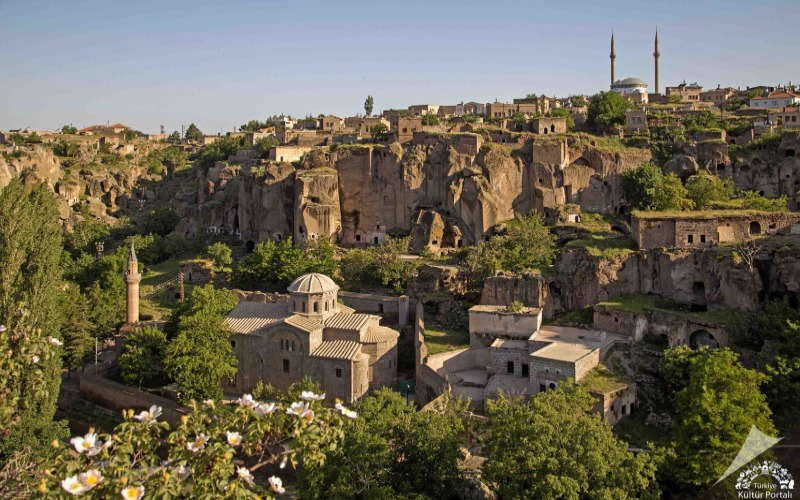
142 355
753 200
78 331
704 190
577 101
161 221
673 99
321 254
783 390
393 451
69 130
64 148
218 151
647 188
607 109
555 446
30 280
717 402
379 132
200 357
220 255
131 134
107 309
193 133
380 264
532 99
430 119
368 105
252 126
264 145
202 299
174 137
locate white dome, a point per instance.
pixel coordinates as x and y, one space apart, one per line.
313 283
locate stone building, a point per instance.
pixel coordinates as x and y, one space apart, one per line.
778 98
635 121
348 354
507 110
688 92
633 89
718 96
550 125
706 229
509 352
403 128
788 117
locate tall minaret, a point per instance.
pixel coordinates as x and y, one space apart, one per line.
132 279
613 58
656 55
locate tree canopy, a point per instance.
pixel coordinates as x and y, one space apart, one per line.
369 103
193 133
647 188
608 109
275 265
553 446
142 355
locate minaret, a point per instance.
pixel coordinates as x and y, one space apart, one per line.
656 55
132 279
613 58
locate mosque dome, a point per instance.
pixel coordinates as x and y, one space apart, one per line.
631 81
313 283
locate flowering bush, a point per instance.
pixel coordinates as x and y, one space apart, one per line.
212 453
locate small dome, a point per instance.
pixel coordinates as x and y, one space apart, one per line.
313 283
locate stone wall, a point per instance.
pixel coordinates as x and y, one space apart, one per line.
613 405
488 319
118 397
378 304
611 320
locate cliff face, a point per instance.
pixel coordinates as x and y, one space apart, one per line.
356 194
702 277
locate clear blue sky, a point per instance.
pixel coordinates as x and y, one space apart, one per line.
220 63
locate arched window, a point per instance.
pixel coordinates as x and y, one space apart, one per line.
304 306
326 306
292 345
316 307
281 344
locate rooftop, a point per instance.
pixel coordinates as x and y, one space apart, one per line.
249 317
510 344
700 214
347 321
563 351
337 349
313 283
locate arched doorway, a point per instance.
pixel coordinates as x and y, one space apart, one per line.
249 246
755 228
700 338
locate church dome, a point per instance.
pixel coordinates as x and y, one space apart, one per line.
313 283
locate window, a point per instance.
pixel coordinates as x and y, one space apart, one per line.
624 409
292 349
338 373
524 369
326 306
282 344
552 385
542 387
286 366
316 307
358 237
702 238
510 367
691 238
304 304
233 344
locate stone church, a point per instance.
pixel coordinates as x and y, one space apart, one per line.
347 353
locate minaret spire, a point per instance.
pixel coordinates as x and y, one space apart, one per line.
613 58
656 55
132 279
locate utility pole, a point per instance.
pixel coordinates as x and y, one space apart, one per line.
180 281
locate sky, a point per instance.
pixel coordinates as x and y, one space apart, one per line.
221 63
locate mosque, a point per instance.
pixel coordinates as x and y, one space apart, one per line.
633 88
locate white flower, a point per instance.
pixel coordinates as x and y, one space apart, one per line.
208 402
3 328
149 415
297 408
84 443
73 485
198 444
182 471
133 493
245 475
310 396
307 416
55 341
35 359
91 478
234 438
247 401
277 485
265 409
344 411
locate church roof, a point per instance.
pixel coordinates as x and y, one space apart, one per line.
337 349
346 321
249 317
304 323
313 283
377 334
